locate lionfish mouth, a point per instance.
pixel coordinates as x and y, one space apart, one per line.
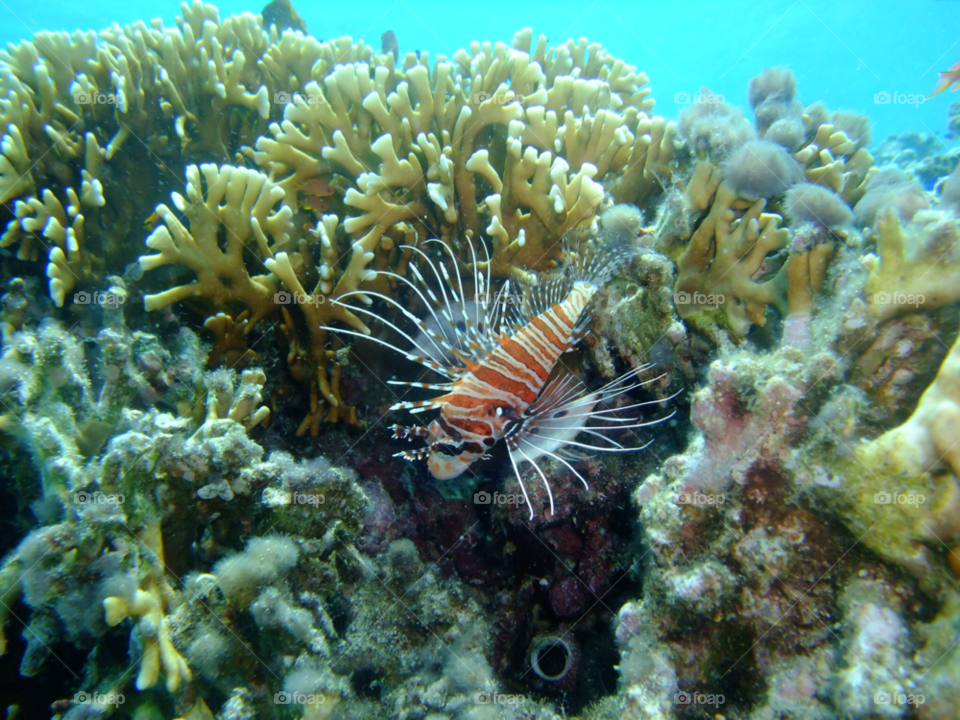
496 358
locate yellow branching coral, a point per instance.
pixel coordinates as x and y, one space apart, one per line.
504 141
229 340
716 271
312 360
150 602
913 268
919 459
243 404
244 203
833 160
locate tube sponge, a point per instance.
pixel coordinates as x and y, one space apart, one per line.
788 132
772 95
778 83
264 559
714 130
620 226
950 191
761 169
811 203
894 188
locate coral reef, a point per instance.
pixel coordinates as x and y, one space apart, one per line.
204 516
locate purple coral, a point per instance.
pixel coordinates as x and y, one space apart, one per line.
761 169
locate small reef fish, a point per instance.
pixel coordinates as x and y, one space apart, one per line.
282 14
151 222
389 44
948 78
314 190
498 358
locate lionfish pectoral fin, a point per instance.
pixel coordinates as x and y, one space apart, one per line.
409 433
412 455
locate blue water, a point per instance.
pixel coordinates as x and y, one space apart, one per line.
843 53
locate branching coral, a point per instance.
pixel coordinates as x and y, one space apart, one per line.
239 201
902 489
913 267
835 161
716 271
424 147
149 603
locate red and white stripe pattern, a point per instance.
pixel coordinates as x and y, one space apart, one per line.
497 390
497 369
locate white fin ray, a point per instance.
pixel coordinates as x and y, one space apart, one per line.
376 315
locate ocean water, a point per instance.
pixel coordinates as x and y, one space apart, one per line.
206 510
843 53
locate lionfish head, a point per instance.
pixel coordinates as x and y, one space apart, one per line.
449 457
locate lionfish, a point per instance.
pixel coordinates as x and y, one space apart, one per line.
499 359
